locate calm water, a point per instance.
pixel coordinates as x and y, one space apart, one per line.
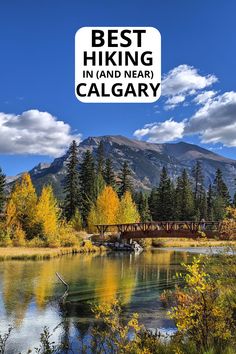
30 292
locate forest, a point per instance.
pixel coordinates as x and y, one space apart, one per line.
94 194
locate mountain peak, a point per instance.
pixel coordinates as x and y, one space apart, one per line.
145 160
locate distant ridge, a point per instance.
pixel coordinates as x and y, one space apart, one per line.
145 160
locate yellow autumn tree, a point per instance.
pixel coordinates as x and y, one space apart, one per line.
228 225
92 220
127 211
47 212
21 206
105 209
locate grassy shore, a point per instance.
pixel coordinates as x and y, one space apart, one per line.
26 253
186 242
38 253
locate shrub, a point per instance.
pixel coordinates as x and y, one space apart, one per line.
5 237
76 222
36 242
199 311
157 242
19 237
201 235
145 242
68 240
228 225
53 242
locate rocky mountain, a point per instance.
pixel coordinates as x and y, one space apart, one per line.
145 160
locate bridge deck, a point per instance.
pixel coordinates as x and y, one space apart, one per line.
161 228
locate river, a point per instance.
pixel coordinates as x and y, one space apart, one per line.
31 292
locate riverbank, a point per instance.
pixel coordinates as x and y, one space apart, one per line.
26 253
186 242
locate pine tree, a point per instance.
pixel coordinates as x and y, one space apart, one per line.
219 209
71 187
87 184
210 201
99 184
127 211
234 197
100 166
152 202
2 190
198 191
203 206
184 198
165 193
221 197
109 175
143 207
125 183
220 188
234 200
76 221
100 159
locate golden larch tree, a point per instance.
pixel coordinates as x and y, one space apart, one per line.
105 209
47 212
127 212
21 206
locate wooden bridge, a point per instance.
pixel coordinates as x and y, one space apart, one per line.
160 229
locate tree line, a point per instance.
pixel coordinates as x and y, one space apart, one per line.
188 199
94 194
185 199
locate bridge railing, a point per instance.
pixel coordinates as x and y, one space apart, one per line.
166 226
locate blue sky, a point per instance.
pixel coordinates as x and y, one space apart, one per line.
37 76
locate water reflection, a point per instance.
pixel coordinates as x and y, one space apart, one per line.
30 291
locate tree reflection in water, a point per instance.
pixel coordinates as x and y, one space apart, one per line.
31 288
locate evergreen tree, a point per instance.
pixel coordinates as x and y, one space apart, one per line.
76 221
221 197
234 197
220 188
184 198
71 182
219 208
164 206
203 206
210 201
125 183
152 203
198 191
109 175
100 159
234 200
99 184
87 184
99 176
2 190
143 207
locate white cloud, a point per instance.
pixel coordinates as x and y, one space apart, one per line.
216 120
174 101
204 97
161 132
182 81
34 132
